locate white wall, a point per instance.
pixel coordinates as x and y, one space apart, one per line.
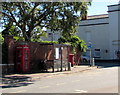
103 33
113 29
96 32
119 26
52 36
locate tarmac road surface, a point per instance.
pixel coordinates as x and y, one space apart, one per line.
101 80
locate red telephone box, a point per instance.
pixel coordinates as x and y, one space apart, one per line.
22 58
71 59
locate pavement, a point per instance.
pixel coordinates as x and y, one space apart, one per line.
17 78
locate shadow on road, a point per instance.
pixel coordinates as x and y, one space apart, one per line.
15 81
104 64
107 64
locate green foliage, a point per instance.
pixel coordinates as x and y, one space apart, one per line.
56 42
37 33
10 29
1 39
19 38
27 19
62 40
82 46
40 40
75 42
36 40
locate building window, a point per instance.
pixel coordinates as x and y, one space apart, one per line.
97 53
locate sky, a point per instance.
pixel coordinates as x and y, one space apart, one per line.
100 6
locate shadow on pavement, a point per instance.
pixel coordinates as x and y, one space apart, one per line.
10 81
15 81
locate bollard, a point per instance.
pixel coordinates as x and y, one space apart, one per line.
93 62
69 66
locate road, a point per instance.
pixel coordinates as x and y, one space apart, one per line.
103 80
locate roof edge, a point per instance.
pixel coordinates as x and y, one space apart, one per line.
97 16
113 5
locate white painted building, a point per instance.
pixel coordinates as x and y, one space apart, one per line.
103 32
52 36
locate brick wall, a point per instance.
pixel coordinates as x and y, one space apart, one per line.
8 66
39 53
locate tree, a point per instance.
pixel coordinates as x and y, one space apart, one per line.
29 18
25 16
66 17
75 42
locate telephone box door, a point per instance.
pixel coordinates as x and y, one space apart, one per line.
26 60
22 58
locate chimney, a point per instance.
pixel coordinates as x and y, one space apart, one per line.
84 17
